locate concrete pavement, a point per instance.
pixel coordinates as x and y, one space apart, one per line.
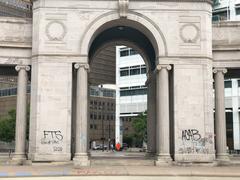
128 178
45 170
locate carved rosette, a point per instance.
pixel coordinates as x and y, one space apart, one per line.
123 8
56 30
220 70
22 67
82 65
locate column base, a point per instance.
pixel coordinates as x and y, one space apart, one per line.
222 159
81 160
18 159
163 160
150 154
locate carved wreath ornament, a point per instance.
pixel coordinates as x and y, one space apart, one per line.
189 33
56 31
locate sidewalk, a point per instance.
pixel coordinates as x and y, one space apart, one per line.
46 170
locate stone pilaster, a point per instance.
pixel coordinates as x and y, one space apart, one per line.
151 115
220 119
163 122
81 157
21 116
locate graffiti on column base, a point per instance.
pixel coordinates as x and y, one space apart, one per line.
45 141
194 143
52 137
57 149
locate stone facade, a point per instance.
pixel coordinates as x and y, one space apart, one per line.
175 40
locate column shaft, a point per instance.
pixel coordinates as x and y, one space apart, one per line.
21 115
220 119
81 144
163 124
151 115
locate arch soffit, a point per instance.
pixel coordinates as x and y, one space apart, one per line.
97 26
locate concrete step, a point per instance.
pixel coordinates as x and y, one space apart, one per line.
121 162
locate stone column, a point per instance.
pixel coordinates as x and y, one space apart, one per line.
151 115
81 157
21 116
163 124
220 120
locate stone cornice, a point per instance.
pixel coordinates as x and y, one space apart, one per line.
197 1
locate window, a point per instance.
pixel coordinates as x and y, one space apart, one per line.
220 15
238 83
124 52
133 52
228 84
135 71
133 91
127 52
143 70
124 73
237 10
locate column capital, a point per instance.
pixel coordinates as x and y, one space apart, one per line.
82 65
221 70
163 66
24 67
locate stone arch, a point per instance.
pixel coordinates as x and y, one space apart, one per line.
134 20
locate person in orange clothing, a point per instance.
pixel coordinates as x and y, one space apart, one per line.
118 146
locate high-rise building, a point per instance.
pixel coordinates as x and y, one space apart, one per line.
226 10
16 8
131 92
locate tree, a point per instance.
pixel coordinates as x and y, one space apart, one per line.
140 128
8 125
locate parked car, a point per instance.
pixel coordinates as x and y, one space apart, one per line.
100 147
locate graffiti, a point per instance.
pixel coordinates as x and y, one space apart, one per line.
193 142
57 149
52 137
53 134
191 134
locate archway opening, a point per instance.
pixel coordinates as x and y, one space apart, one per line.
120 56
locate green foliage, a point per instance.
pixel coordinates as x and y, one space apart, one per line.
140 128
128 139
8 125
